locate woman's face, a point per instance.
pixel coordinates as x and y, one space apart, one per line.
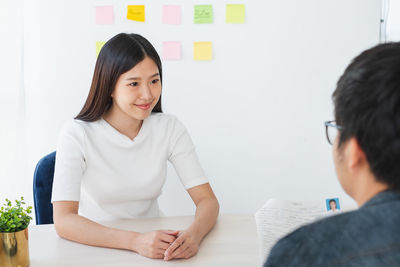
332 204
138 90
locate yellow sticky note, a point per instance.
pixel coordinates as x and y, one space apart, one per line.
202 51
99 45
235 13
136 13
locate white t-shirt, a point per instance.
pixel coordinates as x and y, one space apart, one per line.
114 177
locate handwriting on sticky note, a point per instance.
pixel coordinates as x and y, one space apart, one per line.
235 13
104 15
136 13
171 14
202 51
171 50
203 14
99 45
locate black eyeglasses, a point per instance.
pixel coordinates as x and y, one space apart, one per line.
331 129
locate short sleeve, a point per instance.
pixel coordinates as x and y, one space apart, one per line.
70 163
183 157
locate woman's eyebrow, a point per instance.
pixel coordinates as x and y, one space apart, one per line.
138 78
133 78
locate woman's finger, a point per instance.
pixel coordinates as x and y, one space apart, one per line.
171 232
181 254
179 251
160 255
164 246
167 238
177 243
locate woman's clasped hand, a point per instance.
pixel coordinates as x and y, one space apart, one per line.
185 246
167 244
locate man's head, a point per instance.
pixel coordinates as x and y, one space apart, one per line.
367 109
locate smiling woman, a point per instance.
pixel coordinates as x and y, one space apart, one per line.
135 95
111 159
114 68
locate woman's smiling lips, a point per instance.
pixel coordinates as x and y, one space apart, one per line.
144 106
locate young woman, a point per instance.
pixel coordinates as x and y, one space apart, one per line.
111 159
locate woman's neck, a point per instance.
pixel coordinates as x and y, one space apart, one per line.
122 122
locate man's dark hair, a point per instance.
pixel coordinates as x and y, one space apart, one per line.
367 107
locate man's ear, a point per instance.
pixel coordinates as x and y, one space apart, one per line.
354 154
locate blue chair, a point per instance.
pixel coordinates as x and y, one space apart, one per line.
42 188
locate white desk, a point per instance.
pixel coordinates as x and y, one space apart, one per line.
232 242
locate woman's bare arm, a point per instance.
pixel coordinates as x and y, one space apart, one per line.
71 226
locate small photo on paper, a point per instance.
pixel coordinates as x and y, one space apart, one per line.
332 205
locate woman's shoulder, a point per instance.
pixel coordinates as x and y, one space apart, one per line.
76 127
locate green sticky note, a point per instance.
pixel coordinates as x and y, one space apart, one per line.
99 45
235 13
203 14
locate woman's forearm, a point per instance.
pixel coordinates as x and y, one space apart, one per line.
80 229
206 217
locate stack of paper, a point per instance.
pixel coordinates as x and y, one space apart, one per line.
278 218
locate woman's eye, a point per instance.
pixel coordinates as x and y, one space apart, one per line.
134 84
155 81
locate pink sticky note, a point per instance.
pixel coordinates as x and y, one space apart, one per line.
171 15
104 15
171 50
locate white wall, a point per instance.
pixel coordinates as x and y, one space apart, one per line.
393 21
12 141
255 112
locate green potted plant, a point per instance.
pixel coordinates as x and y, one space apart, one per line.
14 221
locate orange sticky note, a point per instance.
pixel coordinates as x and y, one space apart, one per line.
202 51
136 13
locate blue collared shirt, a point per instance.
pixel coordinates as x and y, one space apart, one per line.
369 236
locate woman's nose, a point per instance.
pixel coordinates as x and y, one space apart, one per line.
146 92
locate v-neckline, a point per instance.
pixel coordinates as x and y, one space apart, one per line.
124 138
